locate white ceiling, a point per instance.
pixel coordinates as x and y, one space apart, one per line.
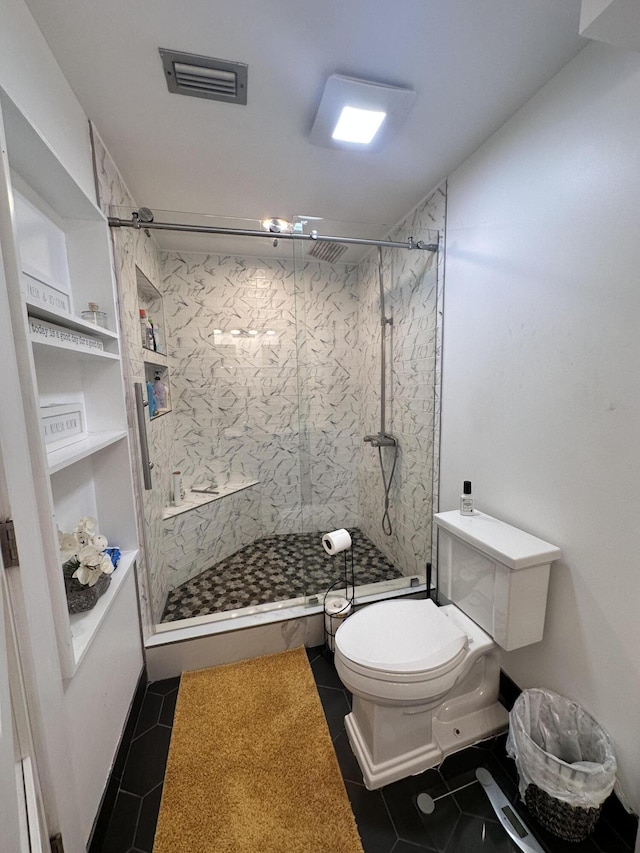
473 63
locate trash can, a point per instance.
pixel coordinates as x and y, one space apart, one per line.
565 762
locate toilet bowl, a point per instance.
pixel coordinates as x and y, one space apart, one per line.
425 679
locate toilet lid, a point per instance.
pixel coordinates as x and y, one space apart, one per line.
402 636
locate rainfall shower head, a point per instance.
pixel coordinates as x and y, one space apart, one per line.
327 250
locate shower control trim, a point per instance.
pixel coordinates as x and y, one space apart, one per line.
380 440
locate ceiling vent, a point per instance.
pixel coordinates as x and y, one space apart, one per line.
327 250
204 77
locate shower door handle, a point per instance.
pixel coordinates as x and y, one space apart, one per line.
147 465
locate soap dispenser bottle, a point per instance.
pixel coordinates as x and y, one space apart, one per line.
466 499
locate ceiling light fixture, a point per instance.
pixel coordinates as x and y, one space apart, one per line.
355 125
277 225
359 115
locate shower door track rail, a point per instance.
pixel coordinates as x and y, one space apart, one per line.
140 220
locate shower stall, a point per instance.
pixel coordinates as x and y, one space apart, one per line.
302 372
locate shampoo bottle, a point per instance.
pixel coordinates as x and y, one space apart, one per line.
143 326
160 391
466 499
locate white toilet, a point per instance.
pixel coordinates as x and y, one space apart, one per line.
425 679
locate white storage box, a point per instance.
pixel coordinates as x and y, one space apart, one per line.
63 425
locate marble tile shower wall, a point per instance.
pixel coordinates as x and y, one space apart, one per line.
238 413
134 249
328 361
196 540
411 281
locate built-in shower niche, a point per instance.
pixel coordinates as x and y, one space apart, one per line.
150 301
158 389
153 343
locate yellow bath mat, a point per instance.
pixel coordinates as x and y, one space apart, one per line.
251 765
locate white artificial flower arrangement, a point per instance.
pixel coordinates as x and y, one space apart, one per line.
82 551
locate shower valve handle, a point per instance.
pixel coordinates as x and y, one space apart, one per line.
380 440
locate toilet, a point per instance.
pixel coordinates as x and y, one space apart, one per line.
425 679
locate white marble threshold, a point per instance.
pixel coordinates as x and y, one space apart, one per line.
167 633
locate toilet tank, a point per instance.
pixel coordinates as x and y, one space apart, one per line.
497 574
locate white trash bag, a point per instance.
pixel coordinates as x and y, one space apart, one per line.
560 748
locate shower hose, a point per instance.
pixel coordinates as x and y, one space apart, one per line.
386 521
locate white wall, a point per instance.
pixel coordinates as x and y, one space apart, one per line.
541 386
31 77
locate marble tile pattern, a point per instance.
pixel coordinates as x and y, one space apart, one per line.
200 538
412 282
330 443
280 408
131 250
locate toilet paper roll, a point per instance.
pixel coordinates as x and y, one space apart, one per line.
334 543
337 607
335 611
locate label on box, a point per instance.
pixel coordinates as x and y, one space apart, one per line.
42 331
39 293
62 424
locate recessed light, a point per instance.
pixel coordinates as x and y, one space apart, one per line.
235 332
252 332
356 125
270 332
376 102
217 331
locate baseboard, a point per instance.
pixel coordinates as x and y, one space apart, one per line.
100 824
509 691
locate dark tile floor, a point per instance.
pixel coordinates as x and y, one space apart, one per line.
275 568
389 820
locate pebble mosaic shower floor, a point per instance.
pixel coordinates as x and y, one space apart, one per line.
275 568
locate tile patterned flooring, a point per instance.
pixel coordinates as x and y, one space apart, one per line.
388 819
275 568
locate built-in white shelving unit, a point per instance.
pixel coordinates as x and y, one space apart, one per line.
61 268
84 626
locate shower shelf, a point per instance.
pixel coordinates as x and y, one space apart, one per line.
194 500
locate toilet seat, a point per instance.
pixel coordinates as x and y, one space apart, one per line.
407 640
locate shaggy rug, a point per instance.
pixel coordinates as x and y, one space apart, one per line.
251 765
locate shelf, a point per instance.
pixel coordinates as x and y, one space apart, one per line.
159 414
73 351
59 459
152 356
194 500
85 626
70 321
